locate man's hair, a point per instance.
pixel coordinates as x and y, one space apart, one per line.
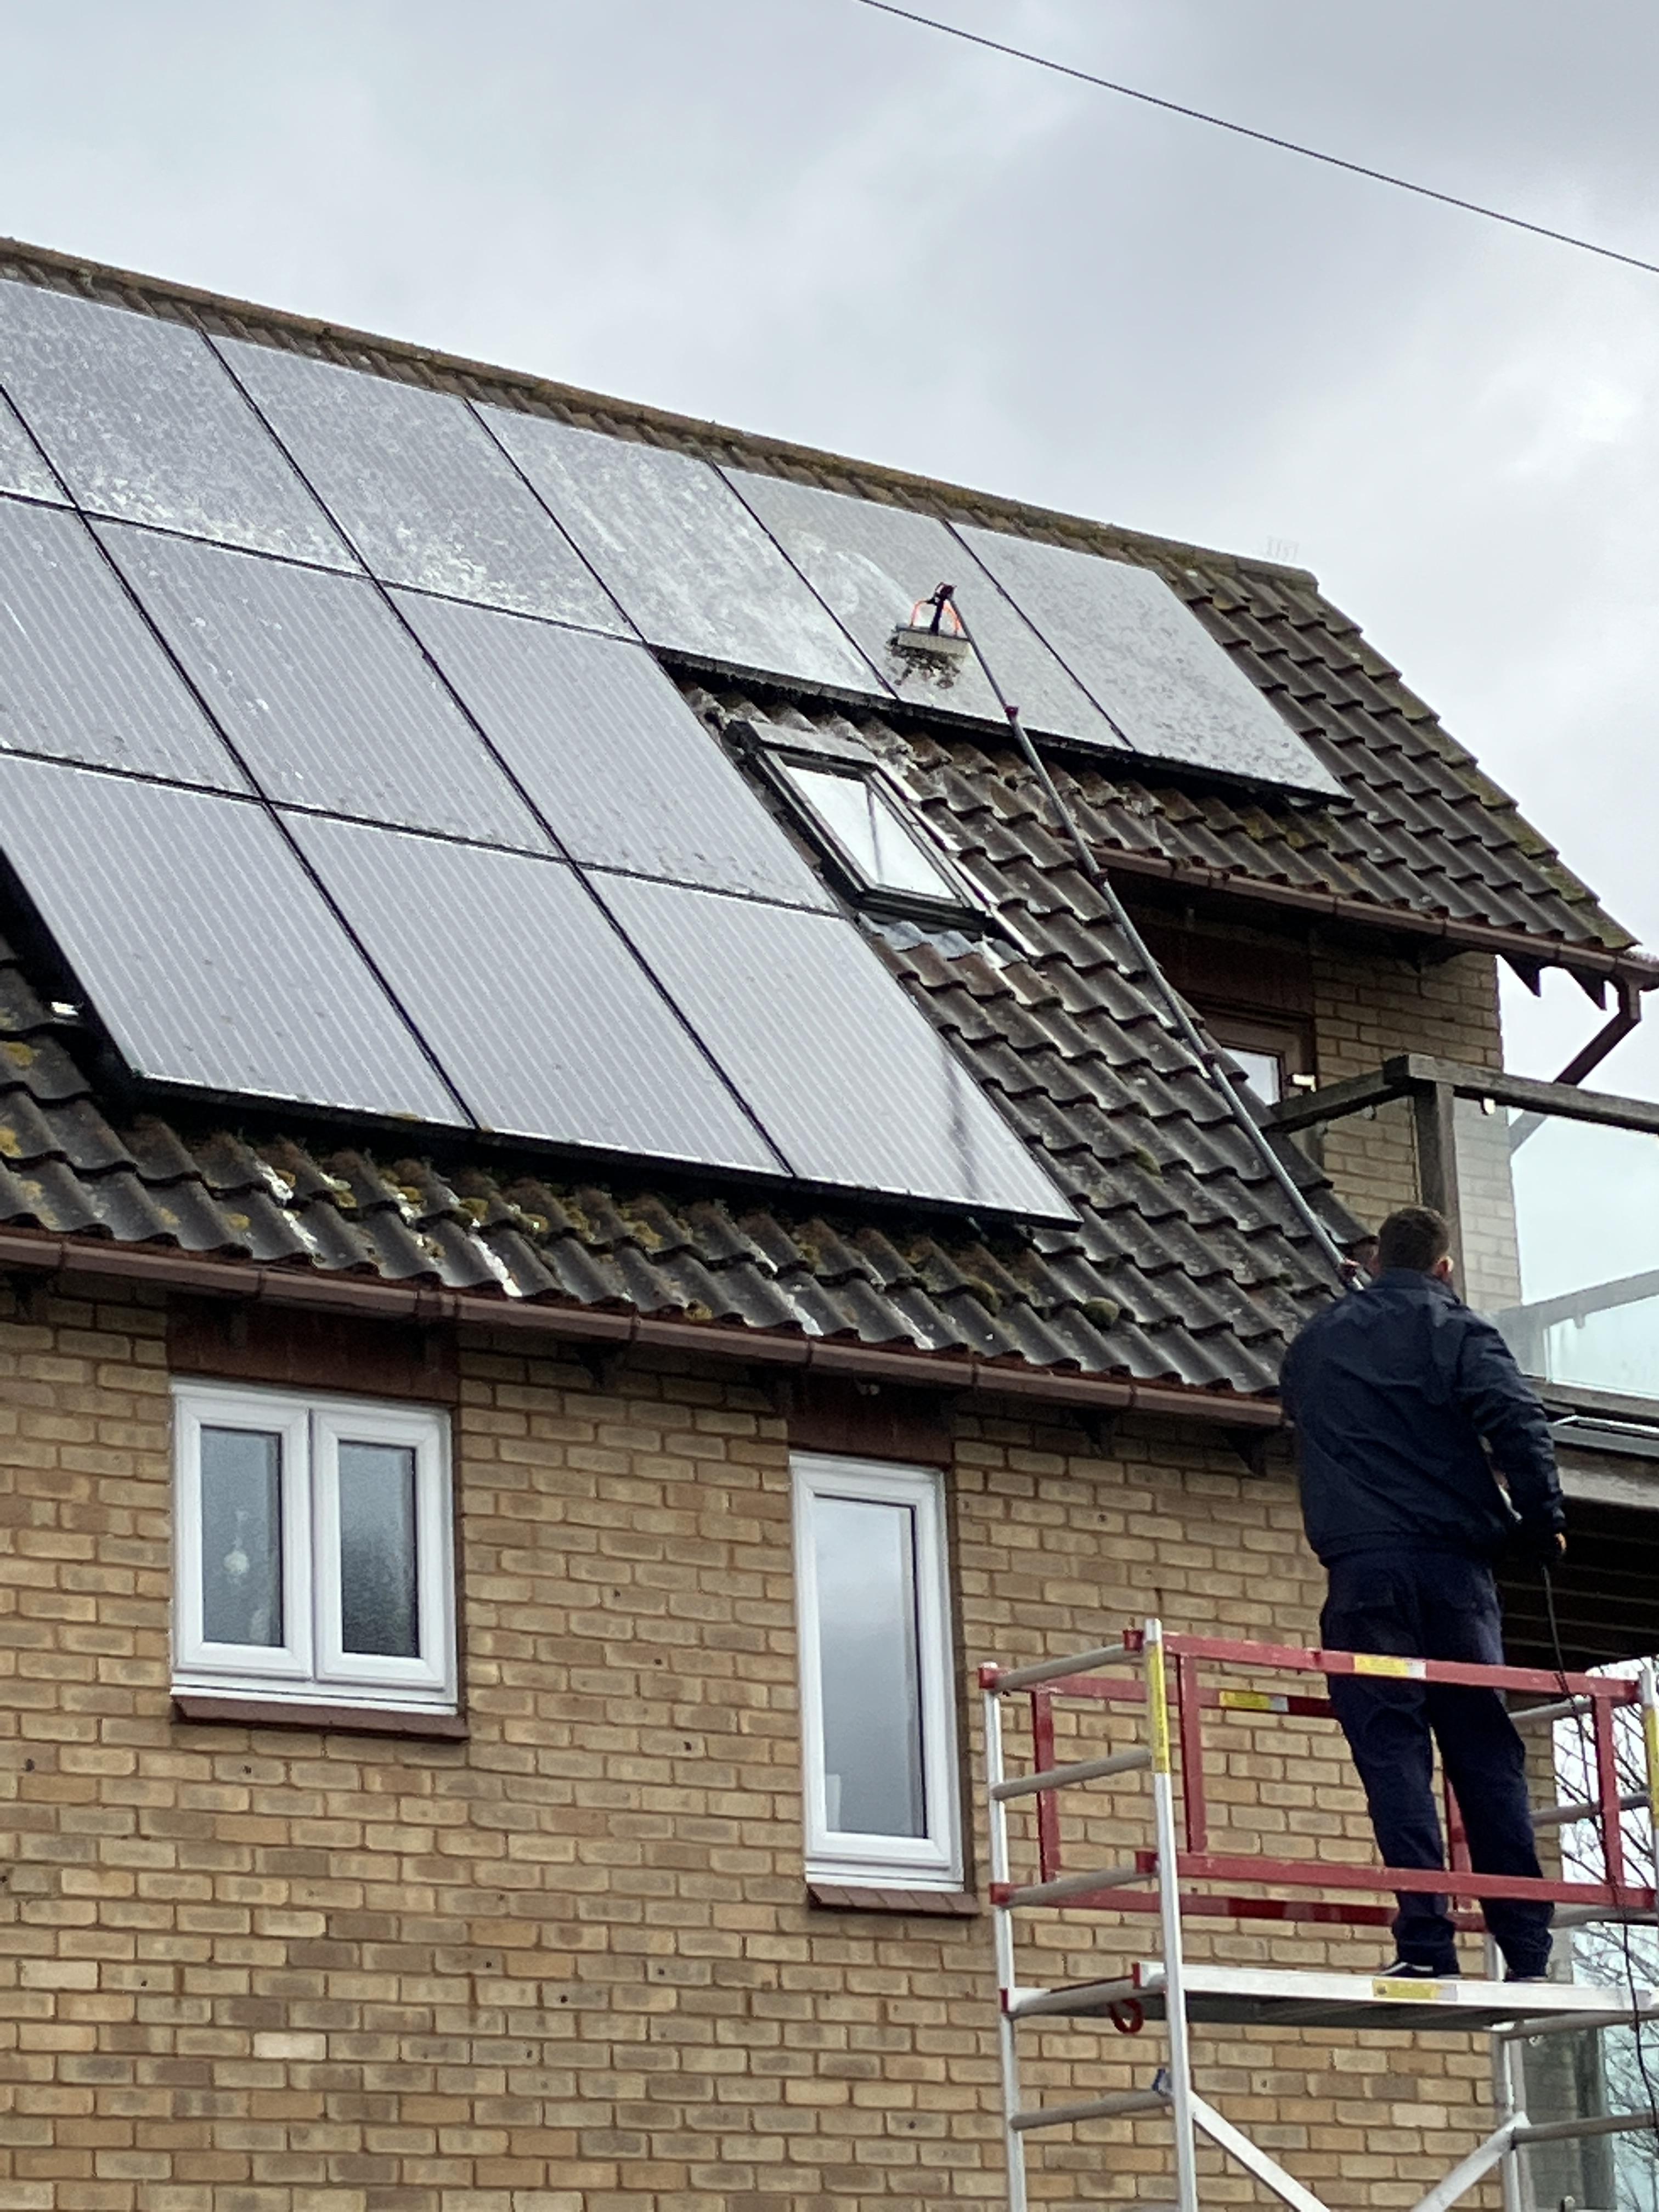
1414 1236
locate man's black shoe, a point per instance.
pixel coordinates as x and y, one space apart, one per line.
1412 1970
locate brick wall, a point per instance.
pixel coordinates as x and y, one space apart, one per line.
1368 1009
568 1965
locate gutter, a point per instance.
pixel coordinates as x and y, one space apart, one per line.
39 1257
1640 970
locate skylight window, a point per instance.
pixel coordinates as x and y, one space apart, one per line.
867 828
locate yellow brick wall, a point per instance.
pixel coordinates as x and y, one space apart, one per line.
1367 1010
568 1965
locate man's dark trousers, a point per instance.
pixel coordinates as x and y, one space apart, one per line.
1434 1605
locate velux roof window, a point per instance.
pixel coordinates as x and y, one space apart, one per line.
865 827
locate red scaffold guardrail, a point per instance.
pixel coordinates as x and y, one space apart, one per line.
1190 1697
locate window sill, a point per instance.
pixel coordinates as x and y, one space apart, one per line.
854 1897
350 1720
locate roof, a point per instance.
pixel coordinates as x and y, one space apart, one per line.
1428 844
1186 1269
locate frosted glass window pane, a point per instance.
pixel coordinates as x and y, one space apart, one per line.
379 1606
864 1555
868 824
241 1537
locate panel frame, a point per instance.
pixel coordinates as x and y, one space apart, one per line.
919 1053
871 688
468 1083
1316 784
305 533
373 564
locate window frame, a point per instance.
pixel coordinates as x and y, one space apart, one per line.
955 900
1283 1038
310 1667
842 1856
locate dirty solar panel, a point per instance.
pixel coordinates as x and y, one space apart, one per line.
423 493
141 420
870 563
1149 661
205 947
850 1081
689 563
23 466
321 689
540 1016
81 676
609 752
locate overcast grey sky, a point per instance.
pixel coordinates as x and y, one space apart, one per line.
801 217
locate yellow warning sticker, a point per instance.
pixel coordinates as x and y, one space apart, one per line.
1157 1707
1385 1662
1254 1701
1409 1990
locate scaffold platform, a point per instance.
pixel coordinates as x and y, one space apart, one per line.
1161 1682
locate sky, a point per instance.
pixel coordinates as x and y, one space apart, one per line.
805 217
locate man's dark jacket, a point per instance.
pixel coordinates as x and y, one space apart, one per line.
1392 1390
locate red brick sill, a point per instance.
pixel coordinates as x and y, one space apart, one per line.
350 1720
852 1896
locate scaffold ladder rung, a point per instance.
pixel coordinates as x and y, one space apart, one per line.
1077 1884
1122 2107
1081 1770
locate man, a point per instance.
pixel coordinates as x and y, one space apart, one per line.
1398 1393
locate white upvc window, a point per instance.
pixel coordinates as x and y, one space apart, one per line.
877 1683
312 1549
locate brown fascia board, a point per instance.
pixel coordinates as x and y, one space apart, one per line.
36 1257
1601 962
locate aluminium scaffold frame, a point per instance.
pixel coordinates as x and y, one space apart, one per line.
1159 1882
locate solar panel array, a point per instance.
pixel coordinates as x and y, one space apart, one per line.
336 762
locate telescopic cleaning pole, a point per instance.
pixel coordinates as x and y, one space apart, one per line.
1206 1053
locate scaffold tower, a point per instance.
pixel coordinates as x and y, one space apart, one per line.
1164 1686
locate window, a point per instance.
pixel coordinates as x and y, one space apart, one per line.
312 1550
1271 1055
867 828
877 1701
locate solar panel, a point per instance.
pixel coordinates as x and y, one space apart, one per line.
142 421
319 687
870 563
425 495
609 752
23 466
543 1019
81 676
204 945
1173 691
683 555
850 1080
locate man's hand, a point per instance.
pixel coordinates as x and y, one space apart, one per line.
1544 1547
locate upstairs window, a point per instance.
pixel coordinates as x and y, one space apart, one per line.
877 1707
879 845
312 1550
1273 1056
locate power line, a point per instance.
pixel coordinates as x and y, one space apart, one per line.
1261 137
